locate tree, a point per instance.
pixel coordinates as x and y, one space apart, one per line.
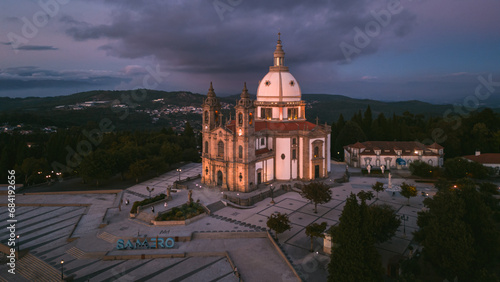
354 256
365 196
315 230
367 121
138 168
447 234
96 166
408 191
423 169
350 134
459 168
384 222
34 170
278 222
378 187
318 193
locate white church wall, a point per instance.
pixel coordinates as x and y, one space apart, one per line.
269 169
300 153
283 165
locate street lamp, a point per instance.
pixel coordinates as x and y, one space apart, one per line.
404 218
18 243
179 171
150 190
62 269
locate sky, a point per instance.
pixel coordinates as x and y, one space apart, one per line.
430 50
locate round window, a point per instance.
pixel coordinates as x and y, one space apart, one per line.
282 156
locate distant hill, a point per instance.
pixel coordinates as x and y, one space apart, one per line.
324 106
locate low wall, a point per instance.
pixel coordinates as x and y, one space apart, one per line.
75 192
250 201
139 208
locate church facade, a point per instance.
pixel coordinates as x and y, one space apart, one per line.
269 139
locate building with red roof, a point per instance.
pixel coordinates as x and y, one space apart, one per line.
269 139
392 154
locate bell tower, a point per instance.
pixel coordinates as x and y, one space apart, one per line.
211 110
211 120
245 139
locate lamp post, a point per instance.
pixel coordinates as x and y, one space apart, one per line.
404 218
18 243
150 190
62 269
272 194
179 171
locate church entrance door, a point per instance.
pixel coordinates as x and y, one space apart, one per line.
259 178
219 178
316 171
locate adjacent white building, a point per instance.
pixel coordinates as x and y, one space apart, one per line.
392 154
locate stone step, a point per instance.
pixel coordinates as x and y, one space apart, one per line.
35 269
216 206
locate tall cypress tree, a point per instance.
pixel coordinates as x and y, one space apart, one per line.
354 257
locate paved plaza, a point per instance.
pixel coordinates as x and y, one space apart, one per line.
83 229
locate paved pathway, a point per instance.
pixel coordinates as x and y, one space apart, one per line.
45 231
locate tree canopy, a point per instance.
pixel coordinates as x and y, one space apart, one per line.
317 192
279 222
459 234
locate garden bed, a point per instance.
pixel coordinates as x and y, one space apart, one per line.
181 215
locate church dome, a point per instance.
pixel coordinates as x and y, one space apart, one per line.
278 85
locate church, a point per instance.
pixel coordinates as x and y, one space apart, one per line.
269 139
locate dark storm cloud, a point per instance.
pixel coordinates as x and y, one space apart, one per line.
191 36
36 48
32 77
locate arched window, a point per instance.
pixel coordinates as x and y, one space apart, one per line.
250 118
206 116
240 152
220 149
316 151
206 147
240 118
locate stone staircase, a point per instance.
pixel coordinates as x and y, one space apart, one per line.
34 269
145 217
213 207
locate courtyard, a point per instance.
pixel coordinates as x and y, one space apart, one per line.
82 229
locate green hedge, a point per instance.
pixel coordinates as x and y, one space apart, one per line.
183 212
145 202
